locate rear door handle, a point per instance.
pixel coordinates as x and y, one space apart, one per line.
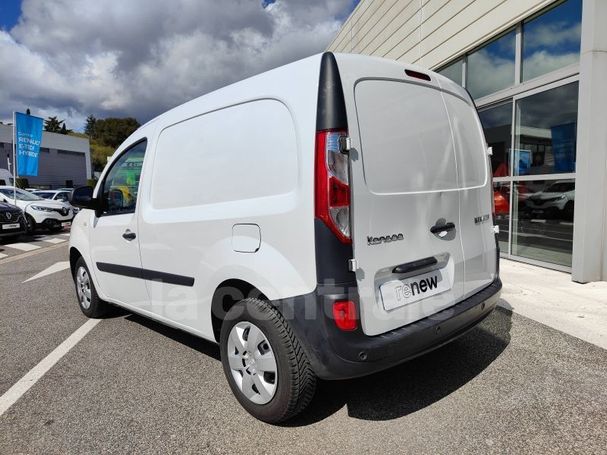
439 228
415 265
128 235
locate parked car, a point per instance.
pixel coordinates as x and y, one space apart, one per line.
320 228
12 221
39 212
555 201
57 195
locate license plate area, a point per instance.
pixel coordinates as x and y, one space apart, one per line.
403 292
11 226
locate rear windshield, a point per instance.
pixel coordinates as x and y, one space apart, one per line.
407 141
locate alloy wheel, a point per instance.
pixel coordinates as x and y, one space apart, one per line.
252 362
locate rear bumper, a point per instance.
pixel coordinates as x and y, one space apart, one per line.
335 354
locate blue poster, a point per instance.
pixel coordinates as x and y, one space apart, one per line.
28 136
563 147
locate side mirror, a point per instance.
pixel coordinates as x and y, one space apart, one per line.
82 197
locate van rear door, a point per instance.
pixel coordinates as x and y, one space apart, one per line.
409 237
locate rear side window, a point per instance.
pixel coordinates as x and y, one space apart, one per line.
241 152
121 184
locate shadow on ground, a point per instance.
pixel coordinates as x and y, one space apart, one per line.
396 392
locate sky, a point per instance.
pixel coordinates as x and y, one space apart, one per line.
139 58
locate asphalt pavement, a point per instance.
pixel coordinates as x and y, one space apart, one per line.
511 385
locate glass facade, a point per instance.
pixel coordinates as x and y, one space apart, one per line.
552 39
543 227
532 129
491 68
545 136
497 123
454 71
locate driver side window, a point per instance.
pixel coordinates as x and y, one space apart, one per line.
121 184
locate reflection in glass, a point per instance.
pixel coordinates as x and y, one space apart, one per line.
453 71
491 68
543 220
545 136
501 204
552 40
497 124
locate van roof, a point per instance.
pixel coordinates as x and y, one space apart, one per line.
275 82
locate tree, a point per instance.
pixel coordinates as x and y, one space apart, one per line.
53 125
64 129
99 155
113 131
89 128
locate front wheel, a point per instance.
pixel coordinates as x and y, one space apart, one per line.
264 362
88 300
30 224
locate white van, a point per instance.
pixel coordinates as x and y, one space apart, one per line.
330 218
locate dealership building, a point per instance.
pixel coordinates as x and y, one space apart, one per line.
537 70
64 161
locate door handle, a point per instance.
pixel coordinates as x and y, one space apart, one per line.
415 265
128 235
440 228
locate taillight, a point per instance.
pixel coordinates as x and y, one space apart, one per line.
344 313
333 184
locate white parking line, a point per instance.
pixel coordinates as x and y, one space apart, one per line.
2 255
11 396
53 240
22 246
56 267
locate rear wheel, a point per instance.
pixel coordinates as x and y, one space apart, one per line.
264 362
88 300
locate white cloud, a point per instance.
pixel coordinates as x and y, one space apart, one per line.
142 57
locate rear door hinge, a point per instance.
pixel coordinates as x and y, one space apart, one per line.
352 265
345 144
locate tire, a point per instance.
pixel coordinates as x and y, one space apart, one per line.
30 223
294 382
89 302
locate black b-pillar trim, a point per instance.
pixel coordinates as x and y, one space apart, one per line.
331 255
331 108
145 274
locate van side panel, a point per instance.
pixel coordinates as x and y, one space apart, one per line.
243 159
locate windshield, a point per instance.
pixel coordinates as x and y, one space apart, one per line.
45 195
20 194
